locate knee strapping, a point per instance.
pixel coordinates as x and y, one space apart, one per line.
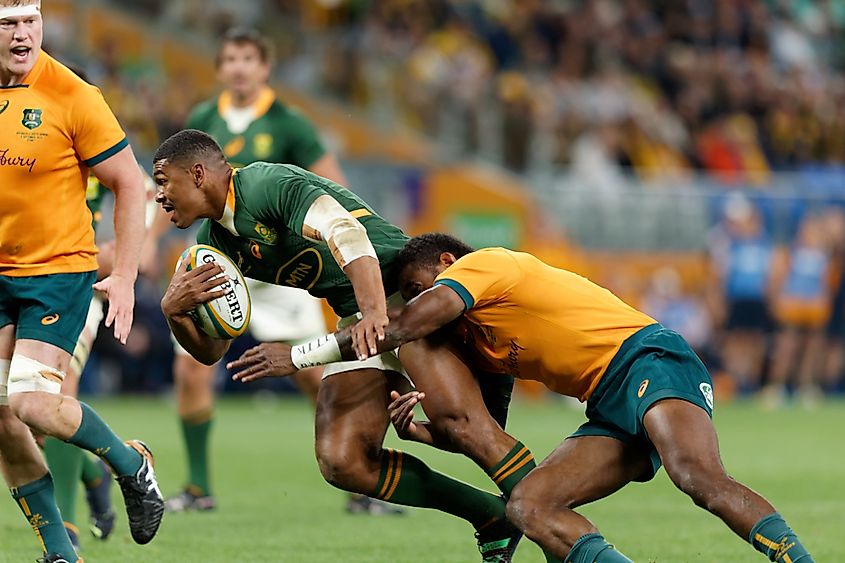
4 382
27 375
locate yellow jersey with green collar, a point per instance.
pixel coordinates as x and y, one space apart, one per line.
532 321
53 127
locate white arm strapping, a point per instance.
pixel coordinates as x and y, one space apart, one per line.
347 238
320 351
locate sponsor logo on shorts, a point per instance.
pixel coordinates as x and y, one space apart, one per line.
31 118
50 319
643 387
707 391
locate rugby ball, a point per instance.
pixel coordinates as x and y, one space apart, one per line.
228 316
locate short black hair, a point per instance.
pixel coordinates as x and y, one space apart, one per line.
188 144
425 250
245 36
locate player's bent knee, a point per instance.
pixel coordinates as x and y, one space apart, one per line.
344 467
702 483
526 511
27 375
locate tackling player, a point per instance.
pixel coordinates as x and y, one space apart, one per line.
284 225
251 124
649 398
54 127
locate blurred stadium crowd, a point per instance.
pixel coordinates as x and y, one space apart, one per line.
748 94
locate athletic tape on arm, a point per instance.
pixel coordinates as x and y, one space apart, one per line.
317 352
4 382
27 375
347 238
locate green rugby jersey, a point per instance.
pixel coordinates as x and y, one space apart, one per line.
261 230
94 194
276 133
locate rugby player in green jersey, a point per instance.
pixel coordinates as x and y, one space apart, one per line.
284 225
251 124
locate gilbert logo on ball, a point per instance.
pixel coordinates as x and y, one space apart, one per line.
228 316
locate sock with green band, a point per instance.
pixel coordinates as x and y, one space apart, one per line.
772 537
196 435
406 480
38 504
95 436
92 471
512 468
516 464
65 463
593 548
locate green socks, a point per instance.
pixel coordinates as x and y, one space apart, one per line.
406 480
512 468
593 548
773 538
516 464
196 436
39 506
92 471
95 436
65 463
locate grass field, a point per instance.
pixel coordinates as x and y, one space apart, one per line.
275 507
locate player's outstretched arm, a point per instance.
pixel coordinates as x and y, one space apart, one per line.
426 313
423 315
121 174
186 291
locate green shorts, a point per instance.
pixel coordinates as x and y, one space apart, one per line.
50 308
496 391
653 364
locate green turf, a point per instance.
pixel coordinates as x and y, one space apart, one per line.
275 507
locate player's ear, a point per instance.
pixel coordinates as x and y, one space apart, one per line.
447 259
198 173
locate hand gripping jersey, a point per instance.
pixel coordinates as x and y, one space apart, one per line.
53 127
530 320
262 231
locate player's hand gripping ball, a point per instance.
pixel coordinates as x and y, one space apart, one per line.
228 316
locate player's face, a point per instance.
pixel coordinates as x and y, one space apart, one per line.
241 69
20 43
178 193
416 278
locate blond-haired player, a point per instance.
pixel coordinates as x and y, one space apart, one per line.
54 128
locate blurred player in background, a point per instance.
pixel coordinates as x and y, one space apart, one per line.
802 306
54 127
649 398
283 224
252 124
743 257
